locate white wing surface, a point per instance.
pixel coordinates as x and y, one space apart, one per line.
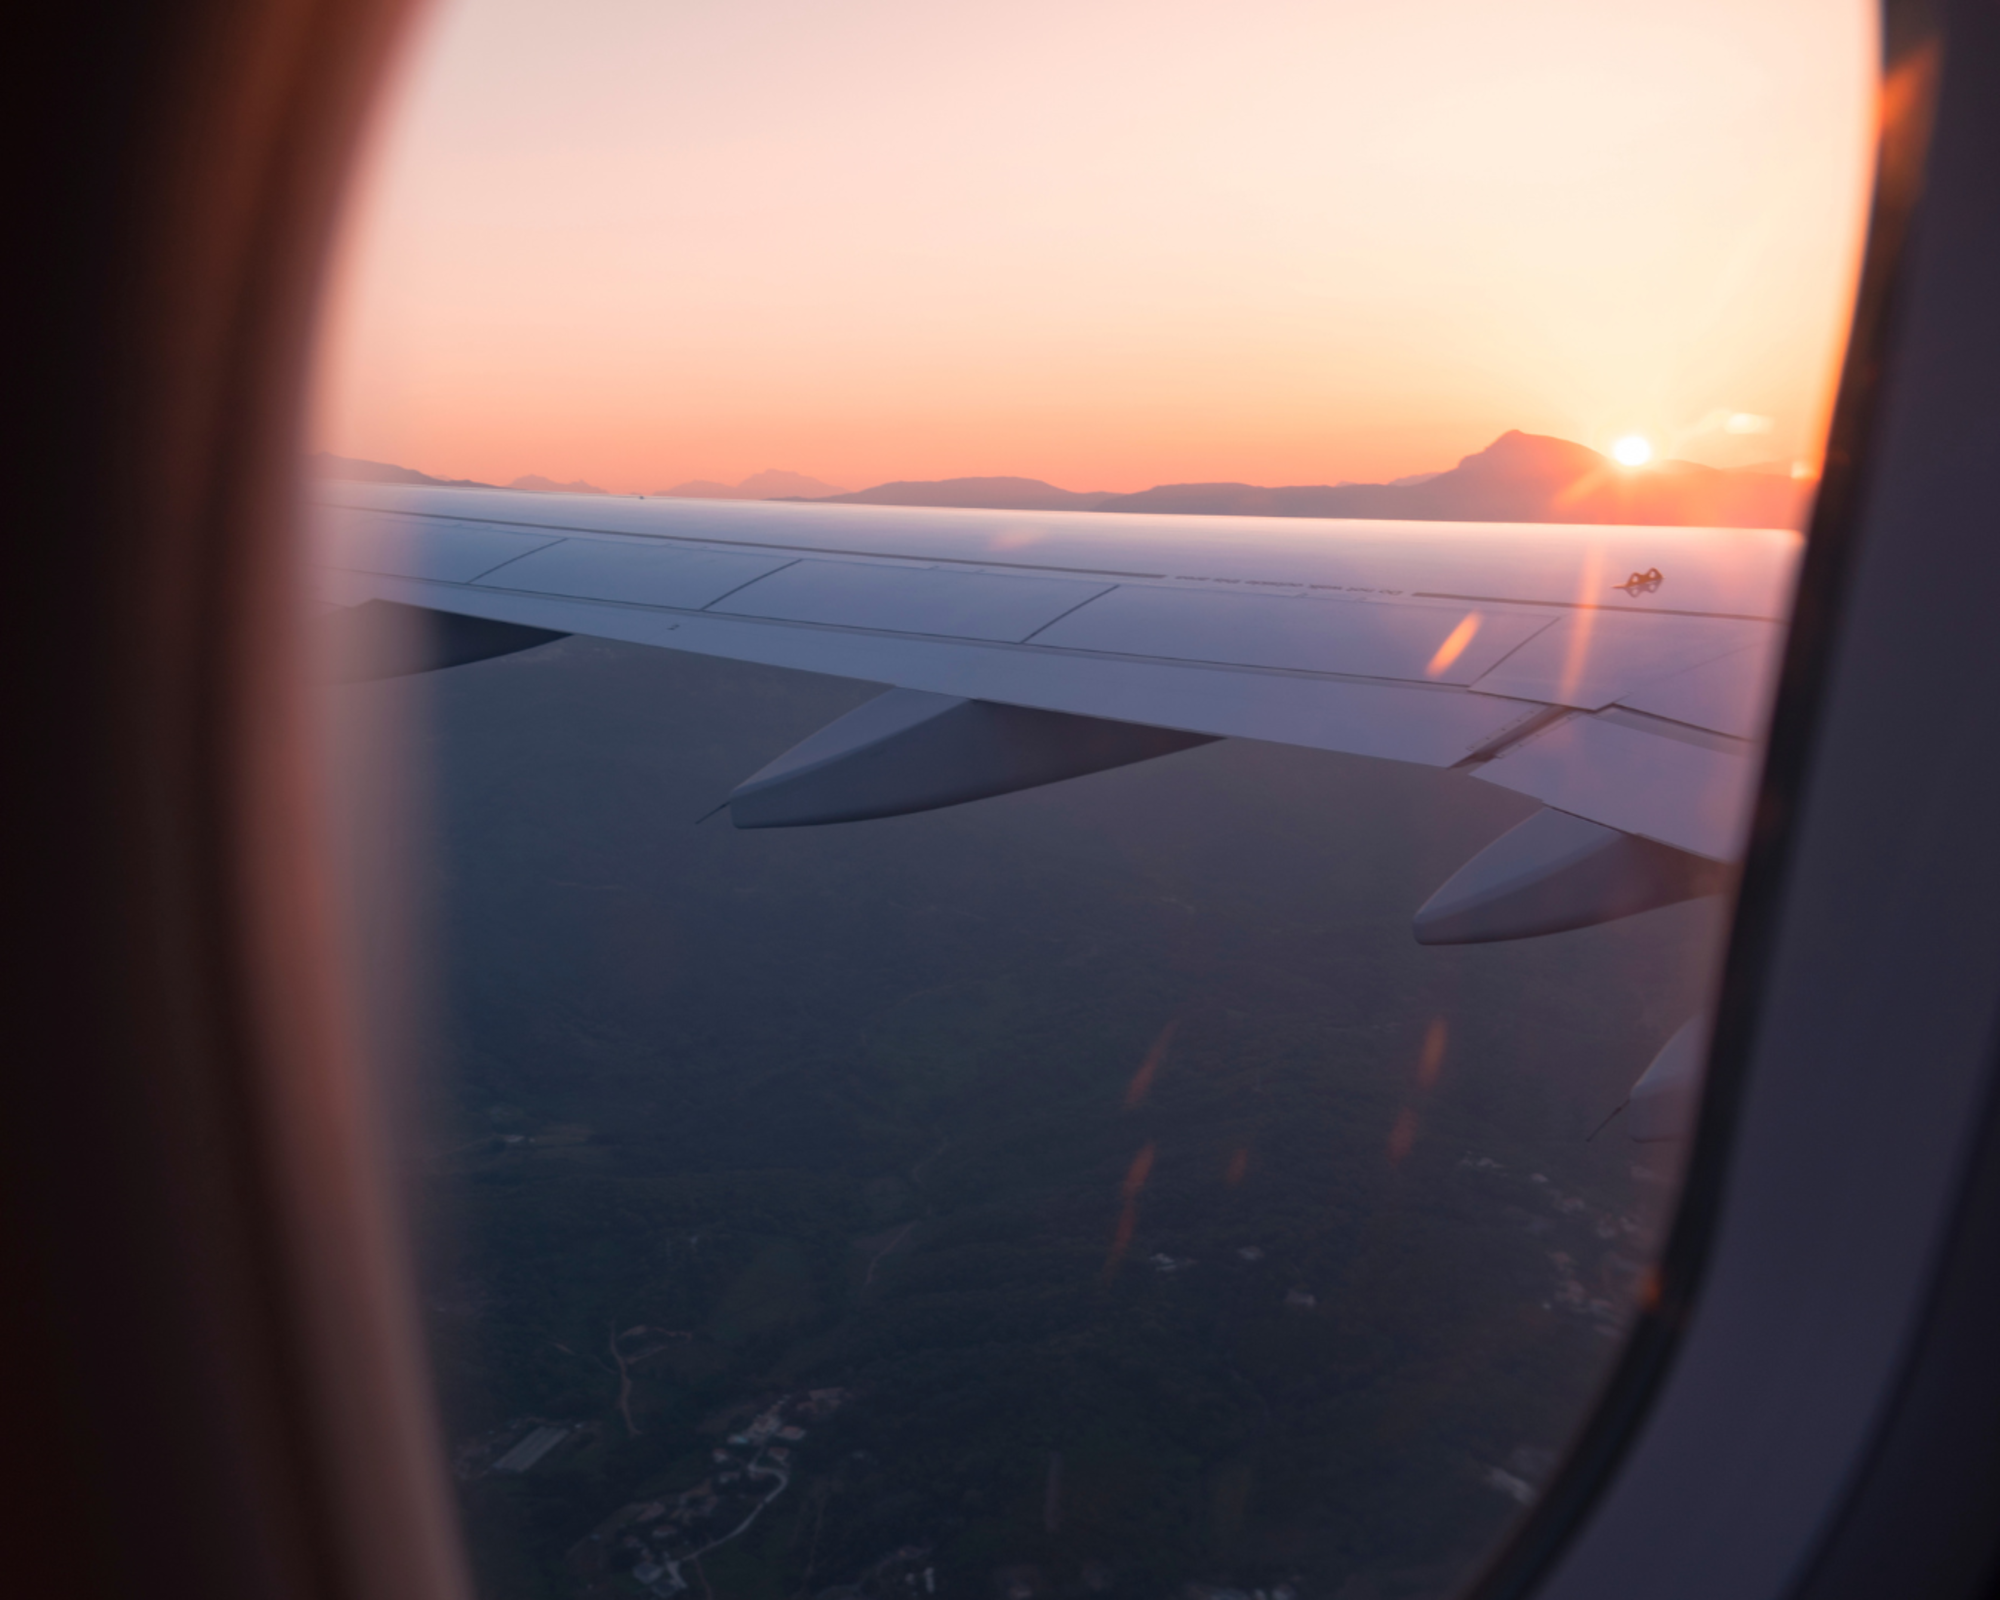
1619 674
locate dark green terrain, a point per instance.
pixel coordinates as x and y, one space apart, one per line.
1173 1222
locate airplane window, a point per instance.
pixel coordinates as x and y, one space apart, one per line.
1041 718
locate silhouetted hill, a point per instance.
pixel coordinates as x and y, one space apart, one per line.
990 494
535 483
770 484
325 465
1247 500
1520 477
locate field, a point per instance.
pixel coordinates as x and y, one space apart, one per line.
1169 1215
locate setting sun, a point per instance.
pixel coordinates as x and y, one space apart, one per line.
1632 451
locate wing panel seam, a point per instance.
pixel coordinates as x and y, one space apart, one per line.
735 619
518 555
1593 605
558 530
1086 600
785 566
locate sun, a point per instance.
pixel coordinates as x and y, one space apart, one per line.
1632 451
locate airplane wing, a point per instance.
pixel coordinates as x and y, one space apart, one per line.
1620 675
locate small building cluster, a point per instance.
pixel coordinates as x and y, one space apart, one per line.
751 1469
1620 1270
520 1445
1573 1297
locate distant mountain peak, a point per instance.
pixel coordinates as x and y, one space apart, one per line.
1519 477
325 464
772 483
1516 454
535 483
990 494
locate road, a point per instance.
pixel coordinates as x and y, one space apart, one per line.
756 1469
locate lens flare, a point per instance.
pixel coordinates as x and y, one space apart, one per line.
1632 451
1454 646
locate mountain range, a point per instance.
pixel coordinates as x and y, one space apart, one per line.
535 483
1520 477
984 494
327 465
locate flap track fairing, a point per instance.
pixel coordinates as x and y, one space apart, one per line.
910 750
1557 871
387 639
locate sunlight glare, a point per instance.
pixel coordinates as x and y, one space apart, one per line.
1454 645
1632 451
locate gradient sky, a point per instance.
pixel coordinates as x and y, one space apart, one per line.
1105 243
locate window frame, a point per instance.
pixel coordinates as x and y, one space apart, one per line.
1810 1405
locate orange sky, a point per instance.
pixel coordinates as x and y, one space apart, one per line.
1101 242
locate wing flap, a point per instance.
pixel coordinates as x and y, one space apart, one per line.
1640 775
1298 633
1729 695
1590 657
